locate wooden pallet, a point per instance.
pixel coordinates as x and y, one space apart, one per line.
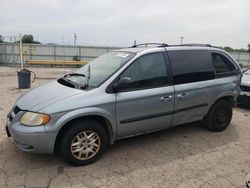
56 62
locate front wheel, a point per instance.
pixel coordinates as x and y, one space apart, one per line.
83 143
219 116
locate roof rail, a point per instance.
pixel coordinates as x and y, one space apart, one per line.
146 44
193 44
174 45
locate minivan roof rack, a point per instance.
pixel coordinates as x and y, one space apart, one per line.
196 44
193 44
146 44
174 45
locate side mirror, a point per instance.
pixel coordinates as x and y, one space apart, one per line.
241 65
123 83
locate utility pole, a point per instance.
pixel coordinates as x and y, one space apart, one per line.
181 39
31 47
75 37
134 42
21 50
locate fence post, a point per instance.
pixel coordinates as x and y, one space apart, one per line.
238 57
54 52
249 59
79 52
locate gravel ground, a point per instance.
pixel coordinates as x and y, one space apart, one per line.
185 156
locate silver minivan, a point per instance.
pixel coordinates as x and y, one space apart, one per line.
124 93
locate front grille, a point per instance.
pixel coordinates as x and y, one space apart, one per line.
16 110
13 113
245 88
10 117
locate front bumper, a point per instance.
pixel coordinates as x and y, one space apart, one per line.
31 139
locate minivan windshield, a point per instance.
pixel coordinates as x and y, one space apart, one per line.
97 71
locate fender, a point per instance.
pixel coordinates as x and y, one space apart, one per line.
68 116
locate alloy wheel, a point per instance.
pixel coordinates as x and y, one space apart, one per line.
85 145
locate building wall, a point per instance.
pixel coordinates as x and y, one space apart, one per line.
9 52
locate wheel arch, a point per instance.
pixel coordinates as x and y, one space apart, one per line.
229 98
208 119
98 118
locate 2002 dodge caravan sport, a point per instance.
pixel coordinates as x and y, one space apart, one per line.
124 93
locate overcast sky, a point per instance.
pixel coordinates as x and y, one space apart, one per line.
119 22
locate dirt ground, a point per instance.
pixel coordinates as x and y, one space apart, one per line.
185 156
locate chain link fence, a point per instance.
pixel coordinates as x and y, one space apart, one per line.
9 53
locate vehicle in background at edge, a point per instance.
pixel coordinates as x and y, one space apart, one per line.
244 97
248 181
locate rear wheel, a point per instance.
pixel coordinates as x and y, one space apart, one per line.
83 143
219 116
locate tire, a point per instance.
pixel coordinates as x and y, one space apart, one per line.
219 116
83 143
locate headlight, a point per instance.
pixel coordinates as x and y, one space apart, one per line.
34 119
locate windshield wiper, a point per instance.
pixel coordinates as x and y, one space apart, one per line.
66 81
73 74
244 71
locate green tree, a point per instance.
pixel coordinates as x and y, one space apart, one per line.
248 48
29 39
1 38
228 49
240 50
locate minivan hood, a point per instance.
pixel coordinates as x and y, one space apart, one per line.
47 94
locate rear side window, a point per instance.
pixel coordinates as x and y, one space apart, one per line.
191 66
148 71
222 64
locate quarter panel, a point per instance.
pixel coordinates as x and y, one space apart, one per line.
201 93
228 86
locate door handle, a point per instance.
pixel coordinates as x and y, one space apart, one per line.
182 96
166 98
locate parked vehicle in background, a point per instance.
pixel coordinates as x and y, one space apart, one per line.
248 181
244 97
125 93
